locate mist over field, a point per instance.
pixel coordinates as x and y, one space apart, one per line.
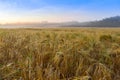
113 22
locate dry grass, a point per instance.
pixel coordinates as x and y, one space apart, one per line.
60 54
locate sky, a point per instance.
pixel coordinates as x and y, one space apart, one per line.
19 11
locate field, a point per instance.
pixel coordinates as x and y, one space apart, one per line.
60 54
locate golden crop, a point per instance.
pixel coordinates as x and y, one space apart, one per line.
60 54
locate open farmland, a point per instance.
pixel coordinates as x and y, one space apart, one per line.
60 54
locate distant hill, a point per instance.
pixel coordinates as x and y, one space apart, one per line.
107 22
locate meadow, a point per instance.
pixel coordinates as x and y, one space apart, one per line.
60 54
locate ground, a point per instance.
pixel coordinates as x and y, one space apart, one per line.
60 54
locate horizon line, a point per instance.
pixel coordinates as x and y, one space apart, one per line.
46 22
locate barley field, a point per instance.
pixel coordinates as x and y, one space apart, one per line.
60 54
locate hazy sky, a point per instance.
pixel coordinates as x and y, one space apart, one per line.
12 11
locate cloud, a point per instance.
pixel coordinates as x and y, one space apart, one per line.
56 10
